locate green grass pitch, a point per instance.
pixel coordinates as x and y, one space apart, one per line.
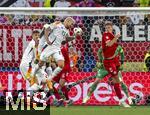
100 110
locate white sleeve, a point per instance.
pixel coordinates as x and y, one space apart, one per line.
31 47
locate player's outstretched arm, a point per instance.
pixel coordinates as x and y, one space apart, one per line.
68 39
111 42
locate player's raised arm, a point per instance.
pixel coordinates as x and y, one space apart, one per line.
111 42
77 32
47 31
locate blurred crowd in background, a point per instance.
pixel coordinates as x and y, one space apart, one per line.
19 19
75 3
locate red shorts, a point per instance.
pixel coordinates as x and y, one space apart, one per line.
62 75
112 66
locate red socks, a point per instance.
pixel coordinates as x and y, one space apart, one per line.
118 90
65 92
56 93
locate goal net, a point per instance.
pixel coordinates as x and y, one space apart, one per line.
17 24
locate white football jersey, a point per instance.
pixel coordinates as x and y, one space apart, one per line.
58 34
30 52
42 41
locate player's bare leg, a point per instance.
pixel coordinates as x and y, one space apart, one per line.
63 88
58 69
125 88
91 90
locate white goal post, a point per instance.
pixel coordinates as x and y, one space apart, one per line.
76 11
133 23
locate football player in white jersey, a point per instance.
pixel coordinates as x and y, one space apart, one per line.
55 35
29 55
28 61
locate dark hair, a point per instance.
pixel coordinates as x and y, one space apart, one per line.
108 23
35 31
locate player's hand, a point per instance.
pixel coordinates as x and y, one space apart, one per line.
117 36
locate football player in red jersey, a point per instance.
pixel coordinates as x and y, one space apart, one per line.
111 62
61 78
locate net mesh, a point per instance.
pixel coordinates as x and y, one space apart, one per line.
134 26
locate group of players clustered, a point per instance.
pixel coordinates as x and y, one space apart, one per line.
51 44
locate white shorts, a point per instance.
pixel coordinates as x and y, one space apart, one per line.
51 51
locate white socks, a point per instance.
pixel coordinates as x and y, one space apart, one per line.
55 73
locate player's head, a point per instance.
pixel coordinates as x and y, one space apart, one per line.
35 36
69 22
109 26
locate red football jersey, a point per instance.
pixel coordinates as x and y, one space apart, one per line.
108 51
65 53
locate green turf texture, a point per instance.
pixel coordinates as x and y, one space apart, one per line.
100 110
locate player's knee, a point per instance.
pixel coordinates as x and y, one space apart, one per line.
115 79
60 63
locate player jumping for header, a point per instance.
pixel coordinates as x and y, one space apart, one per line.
55 34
